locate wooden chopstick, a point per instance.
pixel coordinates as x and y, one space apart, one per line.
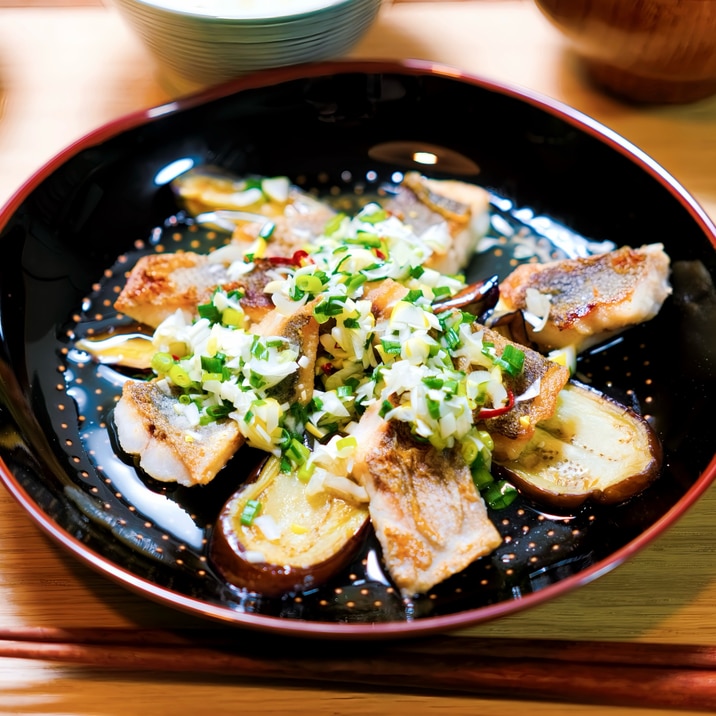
616 673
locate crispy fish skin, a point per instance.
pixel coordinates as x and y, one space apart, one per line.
161 284
421 202
513 430
303 219
428 516
591 298
149 424
302 330
169 448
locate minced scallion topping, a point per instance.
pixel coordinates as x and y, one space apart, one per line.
404 359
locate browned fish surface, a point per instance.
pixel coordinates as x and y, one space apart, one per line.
426 511
511 431
592 298
421 203
161 284
169 446
152 423
301 330
302 220
383 296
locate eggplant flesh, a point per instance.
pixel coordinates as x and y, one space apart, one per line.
591 448
297 541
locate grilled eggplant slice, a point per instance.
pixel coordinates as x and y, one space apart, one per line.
294 540
591 448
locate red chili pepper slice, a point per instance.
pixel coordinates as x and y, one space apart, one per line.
487 413
296 260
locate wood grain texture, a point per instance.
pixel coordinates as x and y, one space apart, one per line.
50 95
647 50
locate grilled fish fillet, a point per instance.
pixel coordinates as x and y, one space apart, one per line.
161 284
300 329
170 449
421 203
151 424
512 431
428 516
591 299
303 219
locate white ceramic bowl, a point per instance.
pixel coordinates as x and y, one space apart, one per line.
197 43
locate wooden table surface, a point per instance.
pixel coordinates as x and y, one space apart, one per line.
66 68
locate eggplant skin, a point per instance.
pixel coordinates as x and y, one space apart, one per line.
592 448
332 533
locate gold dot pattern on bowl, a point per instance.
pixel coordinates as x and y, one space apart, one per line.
168 527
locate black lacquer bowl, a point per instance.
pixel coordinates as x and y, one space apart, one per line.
560 183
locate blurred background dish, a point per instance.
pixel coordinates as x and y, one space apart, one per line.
206 42
660 51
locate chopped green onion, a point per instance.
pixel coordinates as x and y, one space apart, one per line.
256 381
451 338
499 495
334 224
309 283
232 317
347 443
299 413
355 282
469 451
251 510
267 230
374 217
162 362
433 408
413 296
391 347
330 306
363 238
297 452
305 471
210 312
179 376
514 357
216 412
259 349
213 364
481 475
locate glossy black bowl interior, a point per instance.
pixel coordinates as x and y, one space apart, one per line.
69 235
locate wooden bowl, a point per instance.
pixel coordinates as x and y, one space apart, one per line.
656 51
